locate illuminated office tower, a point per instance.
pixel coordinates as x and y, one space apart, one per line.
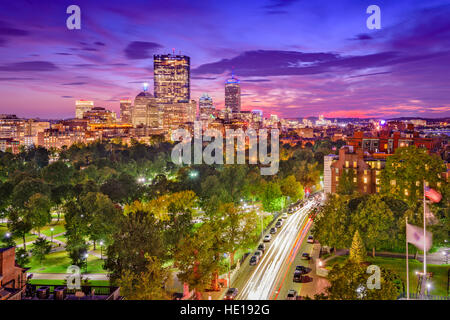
206 108
125 110
171 78
233 94
145 110
82 106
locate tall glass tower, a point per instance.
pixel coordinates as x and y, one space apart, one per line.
171 78
233 94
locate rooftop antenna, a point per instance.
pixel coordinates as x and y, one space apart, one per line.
145 86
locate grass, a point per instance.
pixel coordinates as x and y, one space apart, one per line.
58 228
57 262
438 281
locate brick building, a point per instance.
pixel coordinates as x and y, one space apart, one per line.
12 277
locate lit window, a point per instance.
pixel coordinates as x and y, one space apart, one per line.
355 164
347 164
354 180
378 189
337 178
393 183
365 179
406 192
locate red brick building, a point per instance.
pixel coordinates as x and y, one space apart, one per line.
12 277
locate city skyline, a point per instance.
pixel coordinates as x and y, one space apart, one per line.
314 60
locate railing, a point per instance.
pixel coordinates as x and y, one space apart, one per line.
418 296
109 292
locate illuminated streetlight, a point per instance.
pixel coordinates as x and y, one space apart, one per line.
101 250
51 230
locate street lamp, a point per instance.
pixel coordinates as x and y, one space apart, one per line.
101 249
86 255
7 235
51 230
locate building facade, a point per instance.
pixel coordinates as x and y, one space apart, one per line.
82 106
125 110
233 94
171 78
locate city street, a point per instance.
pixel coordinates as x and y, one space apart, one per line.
263 281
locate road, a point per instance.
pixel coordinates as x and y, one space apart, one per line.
261 282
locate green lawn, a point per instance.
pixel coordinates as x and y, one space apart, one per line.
58 228
438 282
57 262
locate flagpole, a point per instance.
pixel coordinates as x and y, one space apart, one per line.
407 262
424 242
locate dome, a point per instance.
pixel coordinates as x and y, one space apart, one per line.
144 94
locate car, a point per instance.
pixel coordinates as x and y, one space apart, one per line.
254 260
273 230
291 210
302 269
258 253
278 224
292 295
267 238
284 215
231 294
262 247
306 256
297 276
310 239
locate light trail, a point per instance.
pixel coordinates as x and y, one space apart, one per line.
263 279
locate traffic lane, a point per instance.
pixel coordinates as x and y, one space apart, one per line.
262 280
298 261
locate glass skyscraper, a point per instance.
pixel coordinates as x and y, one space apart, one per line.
171 78
233 94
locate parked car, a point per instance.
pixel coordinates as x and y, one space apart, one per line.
292 295
273 230
302 269
310 239
306 256
297 276
231 294
258 253
291 210
284 215
267 238
262 247
278 224
254 260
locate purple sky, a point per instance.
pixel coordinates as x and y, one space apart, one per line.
294 58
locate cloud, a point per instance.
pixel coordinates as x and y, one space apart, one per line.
203 78
29 66
362 37
99 43
279 4
285 63
16 79
7 30
66 97
141 49
74 84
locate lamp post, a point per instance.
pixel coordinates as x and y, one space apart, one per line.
51 230
101 249
86 255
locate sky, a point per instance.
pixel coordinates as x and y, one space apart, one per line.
295 58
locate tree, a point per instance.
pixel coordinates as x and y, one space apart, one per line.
19 224
27 188
146 285
58 173
140 234
37 211
291 188
197 260
357 250
237 228
375 221
22 257
41 248
346 185
406 170
272 198
331 226
349 282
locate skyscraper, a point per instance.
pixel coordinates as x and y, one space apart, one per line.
233 94
81 106
146 112
125 110
171 78
206 107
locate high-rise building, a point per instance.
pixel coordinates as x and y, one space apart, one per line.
206 108
81 106
233 94
125 110
171 78
146 111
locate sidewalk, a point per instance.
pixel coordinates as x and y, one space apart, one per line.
63 276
